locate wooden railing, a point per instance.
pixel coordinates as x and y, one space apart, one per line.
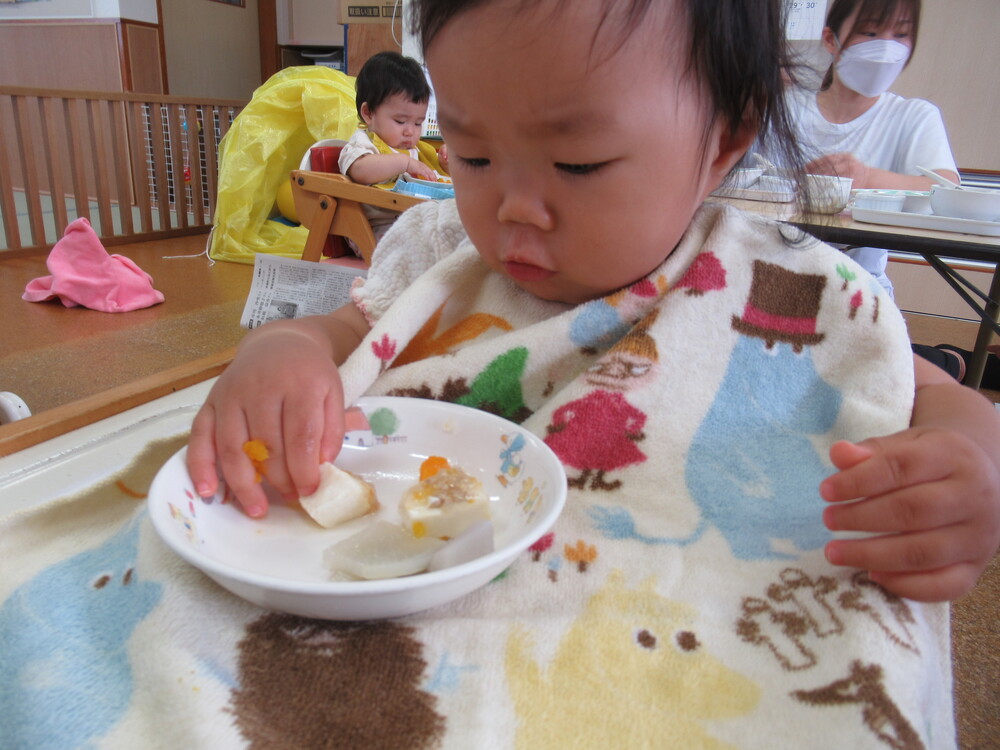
137 166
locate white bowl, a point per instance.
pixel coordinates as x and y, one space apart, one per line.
828 194
917 202
979 204
776 184
277 562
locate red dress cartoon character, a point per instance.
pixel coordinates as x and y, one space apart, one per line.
630 364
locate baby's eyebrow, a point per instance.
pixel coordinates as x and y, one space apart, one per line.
577 124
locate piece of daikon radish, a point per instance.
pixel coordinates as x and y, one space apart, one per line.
381 550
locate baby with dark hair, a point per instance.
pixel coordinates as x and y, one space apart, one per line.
392 98
767 492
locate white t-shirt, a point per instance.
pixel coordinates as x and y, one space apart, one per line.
896 134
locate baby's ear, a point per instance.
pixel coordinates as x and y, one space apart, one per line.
733 144
729 146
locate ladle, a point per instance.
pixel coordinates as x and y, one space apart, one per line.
938 178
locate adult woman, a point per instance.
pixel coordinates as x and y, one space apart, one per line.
853 126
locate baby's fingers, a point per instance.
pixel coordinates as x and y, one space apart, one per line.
240 472
923 506
205 461
903 553
201 463
893 462
312 435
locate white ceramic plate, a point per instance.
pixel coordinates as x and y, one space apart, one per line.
277 562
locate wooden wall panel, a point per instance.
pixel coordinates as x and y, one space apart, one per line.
364 40
68 56
143 57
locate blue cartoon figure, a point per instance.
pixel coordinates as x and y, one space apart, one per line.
510 461
66 678
602 322
769 405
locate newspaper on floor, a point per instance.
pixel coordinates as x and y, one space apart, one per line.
285 288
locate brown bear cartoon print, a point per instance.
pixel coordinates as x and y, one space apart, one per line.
316 684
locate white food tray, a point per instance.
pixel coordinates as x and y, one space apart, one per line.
69 463
926 221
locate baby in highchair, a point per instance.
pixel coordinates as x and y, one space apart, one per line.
392 99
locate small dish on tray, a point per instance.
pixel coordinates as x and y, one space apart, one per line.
277 561
877 199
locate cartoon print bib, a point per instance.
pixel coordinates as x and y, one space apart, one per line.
681 600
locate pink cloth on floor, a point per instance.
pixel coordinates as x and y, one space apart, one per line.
84 274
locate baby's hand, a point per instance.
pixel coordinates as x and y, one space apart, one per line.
443 157
418 169
283 391
932 493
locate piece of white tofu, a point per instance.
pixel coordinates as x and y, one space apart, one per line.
444 505
340 497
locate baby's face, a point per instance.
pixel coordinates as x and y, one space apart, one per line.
577 165
397 120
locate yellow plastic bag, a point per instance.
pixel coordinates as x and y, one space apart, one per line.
292 110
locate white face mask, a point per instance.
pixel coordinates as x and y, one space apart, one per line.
871 67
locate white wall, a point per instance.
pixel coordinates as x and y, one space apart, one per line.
136 10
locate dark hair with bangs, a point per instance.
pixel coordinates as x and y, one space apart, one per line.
385 74
736 50
877 12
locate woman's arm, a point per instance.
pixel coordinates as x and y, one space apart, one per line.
867 177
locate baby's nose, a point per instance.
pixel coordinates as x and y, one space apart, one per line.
522 205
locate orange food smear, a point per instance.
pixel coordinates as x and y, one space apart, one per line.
431 466
257 452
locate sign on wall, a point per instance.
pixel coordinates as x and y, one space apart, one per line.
805 19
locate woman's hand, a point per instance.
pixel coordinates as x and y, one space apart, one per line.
843 165
284 390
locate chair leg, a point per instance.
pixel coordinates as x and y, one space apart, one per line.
326 209
350 221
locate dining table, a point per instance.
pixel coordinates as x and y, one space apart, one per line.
936 246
